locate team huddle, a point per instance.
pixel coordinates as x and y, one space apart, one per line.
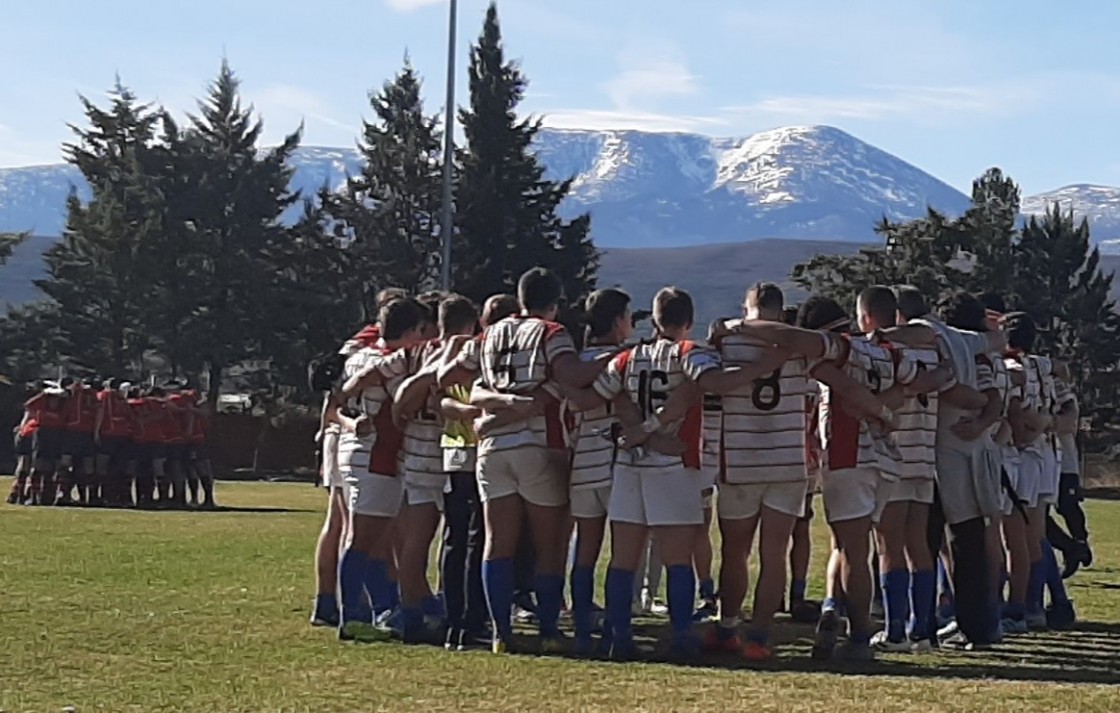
95 444
911 425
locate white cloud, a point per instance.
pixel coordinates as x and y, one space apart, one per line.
279 100
410 5
649 80
643 121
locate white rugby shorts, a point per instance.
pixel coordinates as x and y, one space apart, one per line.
374 495
538 475
912 490
740 501
854 493
591 503
657 497
1031 463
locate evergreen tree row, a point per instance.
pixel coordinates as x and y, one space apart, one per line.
1046 267
181 262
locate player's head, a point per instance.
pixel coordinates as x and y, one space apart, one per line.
497 308
825 314
539 290
390 294
963 311
672 310
67 382
157 392
764 300
457 315
430 301
789 315
911 303
402 322
607 314
995 307
1021 331
876 308
325 371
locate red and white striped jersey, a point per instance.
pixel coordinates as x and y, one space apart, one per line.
848 442
916 435
711 451
378 451
515 356
991 373
593 456
423 455
764 425
650 373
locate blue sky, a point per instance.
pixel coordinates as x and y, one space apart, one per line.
951 86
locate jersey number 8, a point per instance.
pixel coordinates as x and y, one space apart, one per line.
767 393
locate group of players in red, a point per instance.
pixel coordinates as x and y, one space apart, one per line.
910 423
113 444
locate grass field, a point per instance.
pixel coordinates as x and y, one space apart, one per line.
140 611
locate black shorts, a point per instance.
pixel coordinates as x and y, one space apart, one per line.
78 444
24 445
157 450
200 451
139 452
49 443
181 452
114 446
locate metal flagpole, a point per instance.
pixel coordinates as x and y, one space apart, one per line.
448 150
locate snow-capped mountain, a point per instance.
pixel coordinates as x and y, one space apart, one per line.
1099 204
661 189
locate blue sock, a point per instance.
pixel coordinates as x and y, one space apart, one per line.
1014 611
550 597
923 594
326 605
497 580
1036 586
896 595
412 618
583 594
707 589
1054 583
681 585
352 582
797 590
377 584
433 606
832 604
620 593
392 592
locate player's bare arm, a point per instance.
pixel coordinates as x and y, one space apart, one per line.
793 340
455 410
856 399
571 371
720 381
965 397
972 428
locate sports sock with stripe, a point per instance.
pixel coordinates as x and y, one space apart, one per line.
497 580
896 593
923 593
583 594
550 597
620 592
352 583
681 581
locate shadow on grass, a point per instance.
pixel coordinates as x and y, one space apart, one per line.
188 511
1089 653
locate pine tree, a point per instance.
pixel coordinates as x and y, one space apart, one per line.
239 195
96 274
990 233
506 211
390 212
8 243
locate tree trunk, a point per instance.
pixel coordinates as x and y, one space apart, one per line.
213 385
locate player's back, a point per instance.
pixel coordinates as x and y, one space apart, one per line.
593 454
422 451
916 435
516 357
764 424
652 372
